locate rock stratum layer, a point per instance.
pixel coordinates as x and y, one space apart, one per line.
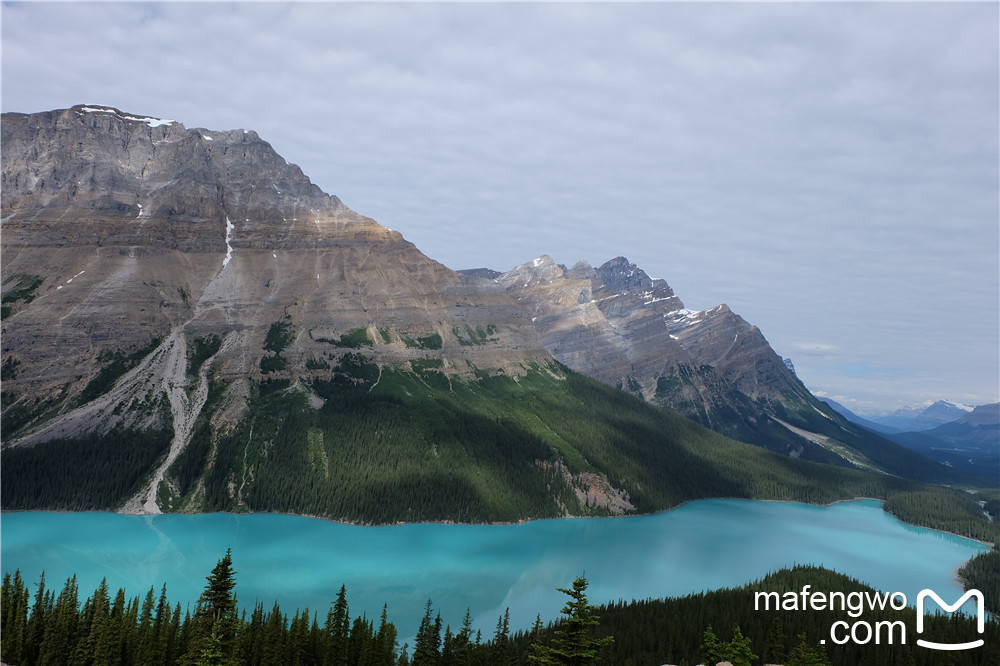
142 231
621 327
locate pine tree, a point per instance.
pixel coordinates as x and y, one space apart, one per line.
500 652
738 651
211 651
274 631
774 648
94 620
146 636
164 631
448 648
361 641
385 640
34 629
573 644
805 655
14 618
216 619
712 649
427 651
251 637
338 630
62 624
463 641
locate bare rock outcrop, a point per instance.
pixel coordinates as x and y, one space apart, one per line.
616 324
122 232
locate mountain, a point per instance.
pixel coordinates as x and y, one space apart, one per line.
916 419
970 443
124 234
190 324
617 325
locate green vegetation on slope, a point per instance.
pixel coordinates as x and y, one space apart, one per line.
80 474
391 444
944 509
703 395
366 443
354 339
982 573
22 293
278 337
201 350
116 363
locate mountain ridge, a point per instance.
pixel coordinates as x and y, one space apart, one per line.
617 325
194 286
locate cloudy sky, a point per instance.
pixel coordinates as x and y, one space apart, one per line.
830 171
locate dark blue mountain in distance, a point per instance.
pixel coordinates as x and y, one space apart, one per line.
970 443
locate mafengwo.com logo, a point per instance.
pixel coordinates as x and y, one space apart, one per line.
980 619
881 632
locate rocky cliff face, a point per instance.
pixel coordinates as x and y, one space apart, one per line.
616 324
129 241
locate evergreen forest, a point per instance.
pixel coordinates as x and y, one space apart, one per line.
46 626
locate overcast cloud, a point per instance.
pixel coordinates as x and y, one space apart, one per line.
830 171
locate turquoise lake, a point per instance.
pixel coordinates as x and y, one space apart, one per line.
302 562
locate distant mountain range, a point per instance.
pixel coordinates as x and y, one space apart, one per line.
915 419
190 324
955 435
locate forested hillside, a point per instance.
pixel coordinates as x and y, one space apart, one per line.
377 444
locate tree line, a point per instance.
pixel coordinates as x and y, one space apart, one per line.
46 627
49 628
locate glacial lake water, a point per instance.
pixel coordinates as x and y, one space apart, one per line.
302 562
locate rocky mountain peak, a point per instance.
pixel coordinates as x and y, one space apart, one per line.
139 180
626 329
129 241
581 270
542 269
623 276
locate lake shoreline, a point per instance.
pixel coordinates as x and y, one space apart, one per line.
508 522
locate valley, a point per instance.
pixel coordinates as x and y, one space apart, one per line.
193 331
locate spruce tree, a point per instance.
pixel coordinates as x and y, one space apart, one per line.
15 615
34 629
463 641
211 652
501 640
573 644
448 648
385 639
216 619
712 649
338 629
774 648
427 651
62 625
272 651
146 635
805 655
738 651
